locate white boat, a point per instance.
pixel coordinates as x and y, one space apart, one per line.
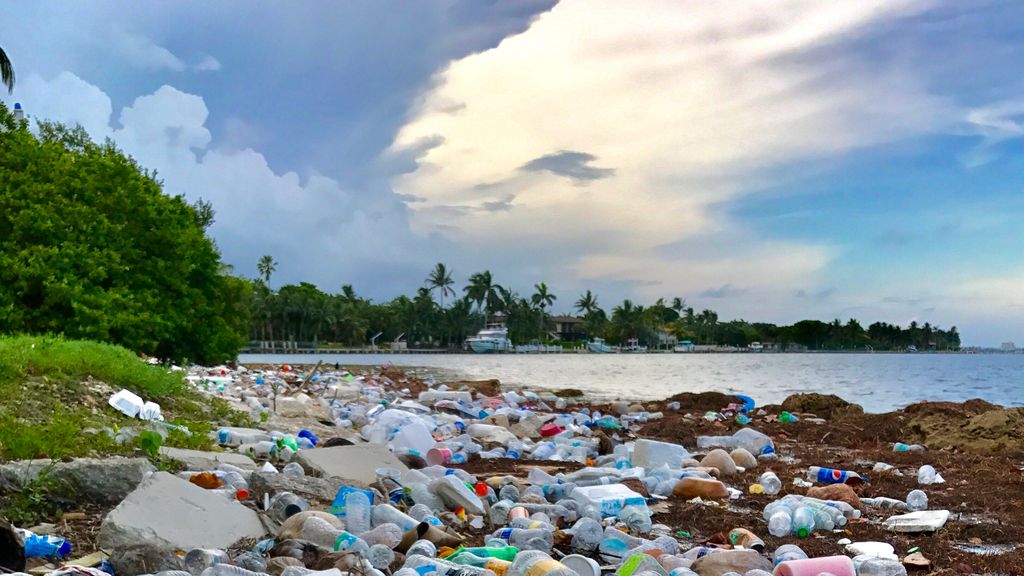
755 347
683 346
911 349
491 339
598 346
633 346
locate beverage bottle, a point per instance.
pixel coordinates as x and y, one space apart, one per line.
543 451
261 449
515 449
497 565
636 518
682 571
293 470
613 550
829 475
237 482
357 512
901 447
199 559
539 477
422 548
251 561
885 503
745 538
871 566
530 523
788 552
422 513
285 504
927 475
780 523
509 492
386 513
917 500
587 534
443 567
527 539
803 521
709 442
500 552
387 534
537 563
499 511
380 556
771 483
228 570
320 531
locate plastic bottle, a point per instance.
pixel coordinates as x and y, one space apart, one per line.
293 470
228 570
526 539
357 512
830 475
319 531
884 503
44 546
788 552
872 566
537 563
636 518
498 512
771 483
509 492
285 504
917 500
380 556
422 565
422 548
388 514
387 534
901 447
587 534
237 482
780 523
803 521
422 513
927 475
251 561
199 559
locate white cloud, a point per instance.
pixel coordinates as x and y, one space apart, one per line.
208 64
68 99
995 123
141 52
676 108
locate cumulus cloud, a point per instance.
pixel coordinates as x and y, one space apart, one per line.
623 133
142 52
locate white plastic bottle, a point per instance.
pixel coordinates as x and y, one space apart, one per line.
771 483
357 512
537 563
781 523
443 567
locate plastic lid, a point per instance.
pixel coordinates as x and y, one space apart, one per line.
802 532
582 565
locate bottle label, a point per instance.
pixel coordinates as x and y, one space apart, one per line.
831 476
505 533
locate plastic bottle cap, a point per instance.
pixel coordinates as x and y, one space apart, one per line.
480 489
242 494
802 532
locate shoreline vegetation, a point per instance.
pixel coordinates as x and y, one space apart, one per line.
91 247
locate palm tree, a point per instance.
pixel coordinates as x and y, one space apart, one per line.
542 299
678 304
587 303
6 71
483 291
441 279
266 267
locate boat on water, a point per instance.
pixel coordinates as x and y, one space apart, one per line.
490 340
599 346
911 349
755 347
633 347
683 346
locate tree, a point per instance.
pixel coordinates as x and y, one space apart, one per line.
6 71
266 266
587 303
441 279
542 298
91 247
484 292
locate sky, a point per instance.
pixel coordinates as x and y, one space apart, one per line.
773 160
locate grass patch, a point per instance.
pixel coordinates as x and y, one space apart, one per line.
53 400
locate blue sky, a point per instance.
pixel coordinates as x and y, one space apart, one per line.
771 160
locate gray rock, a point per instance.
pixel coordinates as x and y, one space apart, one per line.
309 487
102 481
358 462
165 514
199 460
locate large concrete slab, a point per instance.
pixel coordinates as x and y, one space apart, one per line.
358 462
200 460
104 481
166 513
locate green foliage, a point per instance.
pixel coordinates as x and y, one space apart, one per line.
50 407
91 247
34 502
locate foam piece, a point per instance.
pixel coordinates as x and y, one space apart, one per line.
836 565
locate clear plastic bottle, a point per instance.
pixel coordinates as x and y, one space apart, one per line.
388 514
357 512
537 563
251 561
422 548
917 500
527 539
780 524
788 552
871 566
636 518
387 534
293 470
228 570
771 483
285 504
587 534
380 556
443 567
509 492
927 475
422 513
320 531
884 503
498 512
803 521
199 559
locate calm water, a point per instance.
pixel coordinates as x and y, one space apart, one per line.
879 382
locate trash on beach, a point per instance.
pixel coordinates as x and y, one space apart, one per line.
923 521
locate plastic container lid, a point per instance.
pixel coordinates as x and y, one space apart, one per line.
582 565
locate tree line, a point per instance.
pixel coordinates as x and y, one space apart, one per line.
439 316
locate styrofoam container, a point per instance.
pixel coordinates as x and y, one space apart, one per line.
127 402
610 499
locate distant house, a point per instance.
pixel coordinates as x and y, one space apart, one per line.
1008 347
568 328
